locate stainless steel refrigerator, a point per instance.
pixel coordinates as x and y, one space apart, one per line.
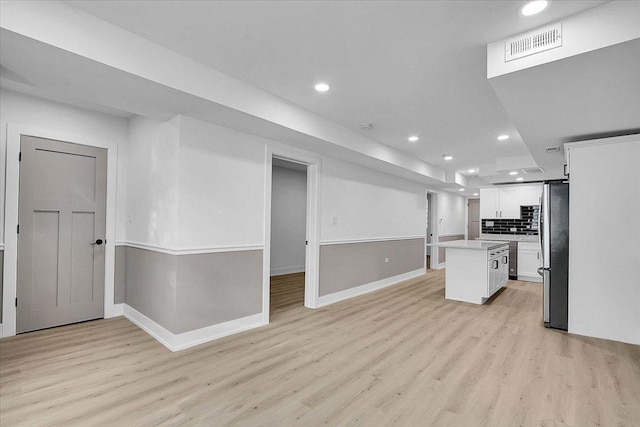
554 239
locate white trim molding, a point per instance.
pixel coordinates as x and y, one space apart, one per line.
312 250
1 246
118 310
287 270
190 251
371 240
177 342
450 234
439 266
368 287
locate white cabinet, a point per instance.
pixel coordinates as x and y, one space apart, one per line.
474 275
489 202
504 202
529 260
498 269
531 195
510 202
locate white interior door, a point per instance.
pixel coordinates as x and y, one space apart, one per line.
62 221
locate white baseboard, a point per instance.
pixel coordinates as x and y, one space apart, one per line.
287 270
118 310
530 279
439 266
177 342
1 333
369 287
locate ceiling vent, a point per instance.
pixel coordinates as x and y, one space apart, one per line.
537 41
552 149
532 170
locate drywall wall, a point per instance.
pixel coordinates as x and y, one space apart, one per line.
360 204
349 265
221 185
604 291
451 213
119 277
288 220
152 182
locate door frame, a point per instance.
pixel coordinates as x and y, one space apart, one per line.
12 192
312 255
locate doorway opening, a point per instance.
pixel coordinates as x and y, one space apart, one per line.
288 235
473 219
432 231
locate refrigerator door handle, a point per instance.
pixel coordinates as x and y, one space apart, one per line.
545 280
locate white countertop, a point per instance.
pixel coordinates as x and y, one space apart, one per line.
468 244
508 238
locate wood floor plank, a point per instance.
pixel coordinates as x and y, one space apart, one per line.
403 355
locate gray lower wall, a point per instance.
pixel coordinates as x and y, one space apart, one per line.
1 273
345 266
151 285
187 292
217 287
119 276
442 253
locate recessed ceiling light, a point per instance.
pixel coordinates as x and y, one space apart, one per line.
447 156
472 170
534 7
413 138
322 87
513 173
461 189
520 178
475 194
503 137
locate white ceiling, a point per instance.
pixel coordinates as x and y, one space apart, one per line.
407 67
593 95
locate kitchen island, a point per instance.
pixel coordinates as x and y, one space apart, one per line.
476 269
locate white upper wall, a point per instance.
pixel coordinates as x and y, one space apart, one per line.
368 204
19 109
451 213
152 182
222 186
221 191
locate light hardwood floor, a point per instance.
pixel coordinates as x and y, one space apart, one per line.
403 356
287 291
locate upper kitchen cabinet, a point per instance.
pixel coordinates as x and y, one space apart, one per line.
489 202
510 197
504 202
531 195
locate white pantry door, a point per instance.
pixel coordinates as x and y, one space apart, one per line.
62 221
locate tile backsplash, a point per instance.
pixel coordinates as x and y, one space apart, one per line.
527 225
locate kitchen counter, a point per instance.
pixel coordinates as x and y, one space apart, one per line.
508 238
468 244
476 269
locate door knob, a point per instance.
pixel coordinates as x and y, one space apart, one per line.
97 242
